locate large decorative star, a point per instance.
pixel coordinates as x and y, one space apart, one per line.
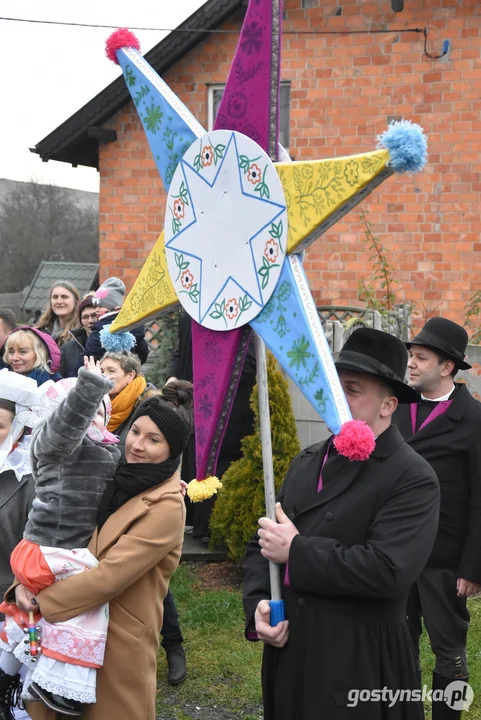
317 194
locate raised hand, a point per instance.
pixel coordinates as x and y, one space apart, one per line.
92 365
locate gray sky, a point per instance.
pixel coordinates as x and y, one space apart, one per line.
50 71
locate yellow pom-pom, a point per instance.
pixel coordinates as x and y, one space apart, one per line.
199 490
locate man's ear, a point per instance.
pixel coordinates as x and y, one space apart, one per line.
389 405
447 367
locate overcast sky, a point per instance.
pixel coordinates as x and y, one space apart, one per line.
50 71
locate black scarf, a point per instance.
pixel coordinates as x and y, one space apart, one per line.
130 480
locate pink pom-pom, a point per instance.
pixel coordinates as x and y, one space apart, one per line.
120 39
356 440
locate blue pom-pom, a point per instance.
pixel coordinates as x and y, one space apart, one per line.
116 342
407 146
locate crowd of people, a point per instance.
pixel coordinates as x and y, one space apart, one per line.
94 462
93 416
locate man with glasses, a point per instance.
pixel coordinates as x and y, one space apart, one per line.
73 349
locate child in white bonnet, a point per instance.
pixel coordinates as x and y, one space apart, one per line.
73 459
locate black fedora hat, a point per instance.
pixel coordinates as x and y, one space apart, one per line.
445 337
379 354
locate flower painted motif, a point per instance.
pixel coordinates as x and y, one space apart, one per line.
271 250
153 118
205 406
232 308
237 105
351 173
207 156
252 41
254 174
187 279
299 354
179 208
307 171
212 352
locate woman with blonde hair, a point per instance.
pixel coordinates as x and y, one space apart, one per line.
61 315
32 353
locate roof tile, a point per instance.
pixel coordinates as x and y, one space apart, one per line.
82 275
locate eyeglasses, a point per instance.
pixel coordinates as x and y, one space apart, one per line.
90 316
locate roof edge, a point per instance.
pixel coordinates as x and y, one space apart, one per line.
65 143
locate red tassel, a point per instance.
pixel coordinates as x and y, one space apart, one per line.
119 39
356 440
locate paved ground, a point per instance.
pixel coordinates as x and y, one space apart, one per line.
195 550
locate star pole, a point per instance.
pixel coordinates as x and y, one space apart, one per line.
277 604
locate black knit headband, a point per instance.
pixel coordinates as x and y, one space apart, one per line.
169 422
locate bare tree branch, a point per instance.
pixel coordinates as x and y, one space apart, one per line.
43 222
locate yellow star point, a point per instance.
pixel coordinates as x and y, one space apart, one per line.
152 293
320 192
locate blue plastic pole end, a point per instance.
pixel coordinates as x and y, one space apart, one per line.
277 612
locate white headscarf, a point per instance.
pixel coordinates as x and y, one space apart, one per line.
22 391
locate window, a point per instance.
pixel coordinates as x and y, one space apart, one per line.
215 96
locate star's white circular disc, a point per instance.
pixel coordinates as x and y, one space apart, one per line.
225 230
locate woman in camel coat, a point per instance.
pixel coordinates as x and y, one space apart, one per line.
138 547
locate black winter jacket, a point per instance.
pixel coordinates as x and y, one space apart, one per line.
72 353
451 444
363 541
94 347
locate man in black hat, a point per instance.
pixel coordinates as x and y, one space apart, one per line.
351 539
444 427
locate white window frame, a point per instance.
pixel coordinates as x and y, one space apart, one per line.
220 86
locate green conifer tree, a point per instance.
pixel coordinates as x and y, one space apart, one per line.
241 501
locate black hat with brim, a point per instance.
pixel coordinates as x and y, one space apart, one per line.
445 337
381 355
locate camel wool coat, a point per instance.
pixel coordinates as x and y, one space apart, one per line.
138 549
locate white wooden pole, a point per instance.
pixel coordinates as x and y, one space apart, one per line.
267 461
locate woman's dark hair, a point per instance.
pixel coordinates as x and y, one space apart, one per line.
178 394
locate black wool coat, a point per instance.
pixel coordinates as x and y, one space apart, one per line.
15 503
71 353
93 346
451 443
364 540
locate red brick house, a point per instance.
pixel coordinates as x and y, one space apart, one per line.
340 90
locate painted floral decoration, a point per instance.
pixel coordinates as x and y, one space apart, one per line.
207 156
187 279
254 174
351 173
271 250
179 208
232 308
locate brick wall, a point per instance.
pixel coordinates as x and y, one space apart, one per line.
344 88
